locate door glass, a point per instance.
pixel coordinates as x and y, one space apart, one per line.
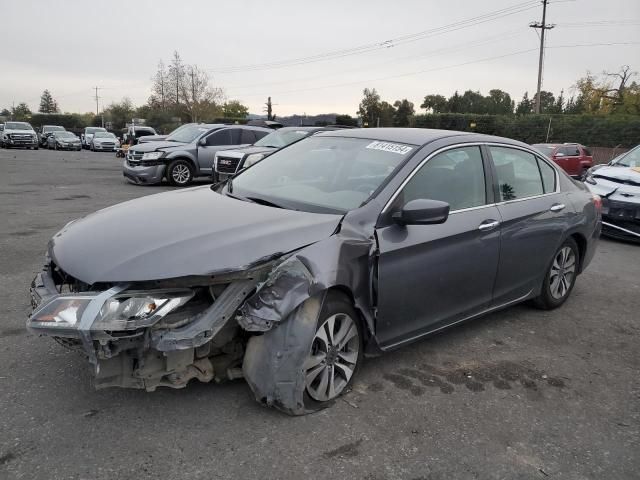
455 176
548 176
569 151
236 134
219 138
247 136
517 173
259 134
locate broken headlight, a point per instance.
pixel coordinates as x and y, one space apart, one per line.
124 311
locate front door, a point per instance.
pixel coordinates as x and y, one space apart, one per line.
214 142
429 276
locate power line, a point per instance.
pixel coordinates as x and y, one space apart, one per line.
370 47
418 72
433 53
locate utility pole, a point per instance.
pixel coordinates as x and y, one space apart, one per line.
96 97
269 109
543 26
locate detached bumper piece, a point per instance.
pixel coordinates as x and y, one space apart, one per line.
144 338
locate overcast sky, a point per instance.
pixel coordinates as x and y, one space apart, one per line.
71 46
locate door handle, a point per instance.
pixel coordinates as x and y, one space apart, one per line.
556 207
488 225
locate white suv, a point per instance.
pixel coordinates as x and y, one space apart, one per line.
19 134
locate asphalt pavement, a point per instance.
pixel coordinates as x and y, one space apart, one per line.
521 393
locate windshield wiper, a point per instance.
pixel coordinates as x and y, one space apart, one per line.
267 203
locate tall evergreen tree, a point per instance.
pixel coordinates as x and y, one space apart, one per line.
47 103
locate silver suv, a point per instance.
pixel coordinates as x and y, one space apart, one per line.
186 153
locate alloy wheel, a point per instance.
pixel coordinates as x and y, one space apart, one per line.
333 357
563 272
180 173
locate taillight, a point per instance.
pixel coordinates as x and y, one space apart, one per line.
597 201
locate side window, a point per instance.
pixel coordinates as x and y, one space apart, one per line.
455 176
517 173
247 136
569 151
259 134
548 176
236 134
219 138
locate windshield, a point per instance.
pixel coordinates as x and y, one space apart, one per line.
321 174
17 126
544 149
92 130
64 135
104 135
279 138
52 129
630 159
187 134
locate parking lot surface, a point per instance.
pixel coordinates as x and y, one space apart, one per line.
521 393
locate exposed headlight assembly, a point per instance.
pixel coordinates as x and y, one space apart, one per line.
152 155
253 159
124 311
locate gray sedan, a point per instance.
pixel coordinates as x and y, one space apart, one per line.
63 141
344 244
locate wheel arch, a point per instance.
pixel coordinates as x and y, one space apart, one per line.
581 241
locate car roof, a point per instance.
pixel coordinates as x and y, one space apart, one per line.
413 136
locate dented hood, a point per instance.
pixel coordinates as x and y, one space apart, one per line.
617 183
185 232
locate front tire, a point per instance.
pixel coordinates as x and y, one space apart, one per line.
561 276
336 353
180 173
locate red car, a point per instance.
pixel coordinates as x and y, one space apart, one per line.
573 158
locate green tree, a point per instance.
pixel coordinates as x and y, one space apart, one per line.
498 102
120 113
47 103
387 114
435 103
234 109
403 114
454 103
346 120
473 102
21 112
370 107
5 113
547 101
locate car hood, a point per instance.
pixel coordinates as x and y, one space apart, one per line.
185 232
25 132
161 145
240 152
67 139
152 138
102 139
617 183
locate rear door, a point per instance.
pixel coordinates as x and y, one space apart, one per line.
534 217
429 276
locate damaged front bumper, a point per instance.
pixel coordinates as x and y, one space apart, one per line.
145 336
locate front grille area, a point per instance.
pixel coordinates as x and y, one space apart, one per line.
22 139
134 156
624 211
227 164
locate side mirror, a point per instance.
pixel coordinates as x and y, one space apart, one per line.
203 142
558 155
422 212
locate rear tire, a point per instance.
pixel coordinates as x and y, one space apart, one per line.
336 353
180 173
561 276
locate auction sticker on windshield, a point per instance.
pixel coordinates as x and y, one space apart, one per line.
390 147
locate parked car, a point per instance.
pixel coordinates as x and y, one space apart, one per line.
19 134
345 242
104 142
186 154
1 128
573 158
272 124
227 162
618 183
135 134
63 141
87 135
47 130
